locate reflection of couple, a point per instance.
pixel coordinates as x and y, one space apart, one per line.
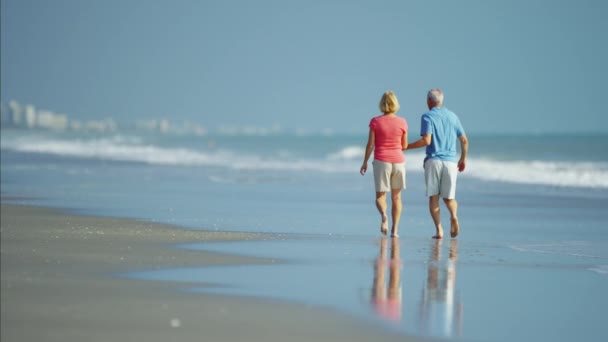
440 311
387 299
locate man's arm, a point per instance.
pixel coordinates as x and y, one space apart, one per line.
464 150
422 142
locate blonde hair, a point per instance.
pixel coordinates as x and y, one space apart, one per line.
389 103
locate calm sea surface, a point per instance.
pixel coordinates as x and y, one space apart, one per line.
531 262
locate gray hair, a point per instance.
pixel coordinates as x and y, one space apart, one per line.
435 96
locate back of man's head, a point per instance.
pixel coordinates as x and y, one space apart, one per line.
435 97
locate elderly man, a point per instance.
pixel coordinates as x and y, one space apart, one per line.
440 129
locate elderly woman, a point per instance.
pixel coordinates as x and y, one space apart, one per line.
387 139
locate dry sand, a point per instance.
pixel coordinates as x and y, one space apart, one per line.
58 284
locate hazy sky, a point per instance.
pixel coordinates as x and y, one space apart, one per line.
505 66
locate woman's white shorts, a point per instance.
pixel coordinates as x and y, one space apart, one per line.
388 176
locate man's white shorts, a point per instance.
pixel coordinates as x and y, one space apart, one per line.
440 177
388 176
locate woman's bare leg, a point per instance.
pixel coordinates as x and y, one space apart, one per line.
381 205
396 211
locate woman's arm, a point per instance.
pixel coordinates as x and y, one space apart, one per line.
404 141
371 139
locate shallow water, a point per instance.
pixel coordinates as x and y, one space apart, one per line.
452 288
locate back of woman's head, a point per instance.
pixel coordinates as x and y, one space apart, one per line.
389 103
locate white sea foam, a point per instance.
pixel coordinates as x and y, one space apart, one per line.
348 153
344 160
600 269
132 151
414 160
552 173
574 174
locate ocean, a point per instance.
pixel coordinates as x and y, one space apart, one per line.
531 262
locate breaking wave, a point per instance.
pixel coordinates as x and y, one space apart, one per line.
342 160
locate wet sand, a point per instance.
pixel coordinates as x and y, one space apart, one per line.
59 283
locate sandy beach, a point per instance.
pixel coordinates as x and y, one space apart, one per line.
59 283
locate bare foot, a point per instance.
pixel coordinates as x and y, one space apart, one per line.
384 225
454 227
395 235
438 232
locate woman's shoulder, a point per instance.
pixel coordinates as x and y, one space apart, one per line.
401 119
376 119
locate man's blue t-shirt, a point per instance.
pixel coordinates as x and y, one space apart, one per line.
445 128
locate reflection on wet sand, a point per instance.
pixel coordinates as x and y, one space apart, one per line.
386 299
441 310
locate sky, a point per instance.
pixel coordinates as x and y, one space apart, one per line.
509 67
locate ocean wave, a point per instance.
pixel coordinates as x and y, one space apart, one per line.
413 159
343 160
599 269
534 172
552 173
348 153
132 150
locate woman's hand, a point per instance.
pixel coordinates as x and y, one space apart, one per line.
363 169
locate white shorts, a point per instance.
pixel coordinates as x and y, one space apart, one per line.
388 176
440 178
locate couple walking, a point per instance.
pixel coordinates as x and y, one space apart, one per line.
439 131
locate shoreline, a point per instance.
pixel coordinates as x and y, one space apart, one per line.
59 283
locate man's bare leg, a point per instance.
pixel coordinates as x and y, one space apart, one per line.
453 208
435 214
381 205
396 211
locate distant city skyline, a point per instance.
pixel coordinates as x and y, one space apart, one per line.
315 66
27 116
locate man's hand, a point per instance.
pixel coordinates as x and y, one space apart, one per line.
462 164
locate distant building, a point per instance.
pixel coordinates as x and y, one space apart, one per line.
49 120
75 125
30 116
146 125
163 126
99 126
196 129
15 113
3 114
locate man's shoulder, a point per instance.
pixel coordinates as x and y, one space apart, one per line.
451 112
427 115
